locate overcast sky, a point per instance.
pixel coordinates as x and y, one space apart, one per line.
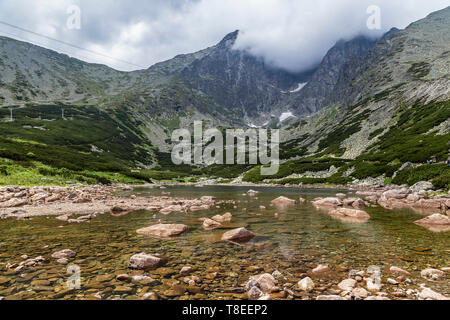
292 34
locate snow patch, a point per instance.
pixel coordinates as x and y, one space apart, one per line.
299 87
286 115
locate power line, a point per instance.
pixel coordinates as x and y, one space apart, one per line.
37 43
69 44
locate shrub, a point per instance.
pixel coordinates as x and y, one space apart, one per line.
436 173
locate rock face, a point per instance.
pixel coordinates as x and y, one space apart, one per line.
64 254
143 261
163 230
283 201
350 214
238 235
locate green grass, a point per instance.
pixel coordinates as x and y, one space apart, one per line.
35 173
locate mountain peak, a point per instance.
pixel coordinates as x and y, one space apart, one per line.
229 39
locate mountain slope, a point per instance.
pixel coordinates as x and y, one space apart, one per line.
375 104
317 93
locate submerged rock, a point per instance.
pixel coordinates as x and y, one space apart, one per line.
200 208
163 230
143 261
432 274
356 203
283 201
320 269
328 202
347 284
254 293
209 224
306 284
350 214
397 270
265 282
359 293
329 297
64 254
434 220
428 294
225 218
238 235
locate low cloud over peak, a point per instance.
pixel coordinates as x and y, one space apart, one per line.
290 34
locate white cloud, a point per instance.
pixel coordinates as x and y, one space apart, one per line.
292 34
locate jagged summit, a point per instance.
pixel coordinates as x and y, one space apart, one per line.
229 40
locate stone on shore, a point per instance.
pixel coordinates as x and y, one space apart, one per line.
238 235
283 201
422 185
163 230
143 261
64 254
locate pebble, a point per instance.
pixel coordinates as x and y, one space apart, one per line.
306 284
392 281
347 285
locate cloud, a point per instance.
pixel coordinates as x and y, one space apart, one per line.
290 34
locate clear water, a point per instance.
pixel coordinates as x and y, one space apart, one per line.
292 243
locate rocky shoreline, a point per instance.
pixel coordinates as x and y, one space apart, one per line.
315 281
24 202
